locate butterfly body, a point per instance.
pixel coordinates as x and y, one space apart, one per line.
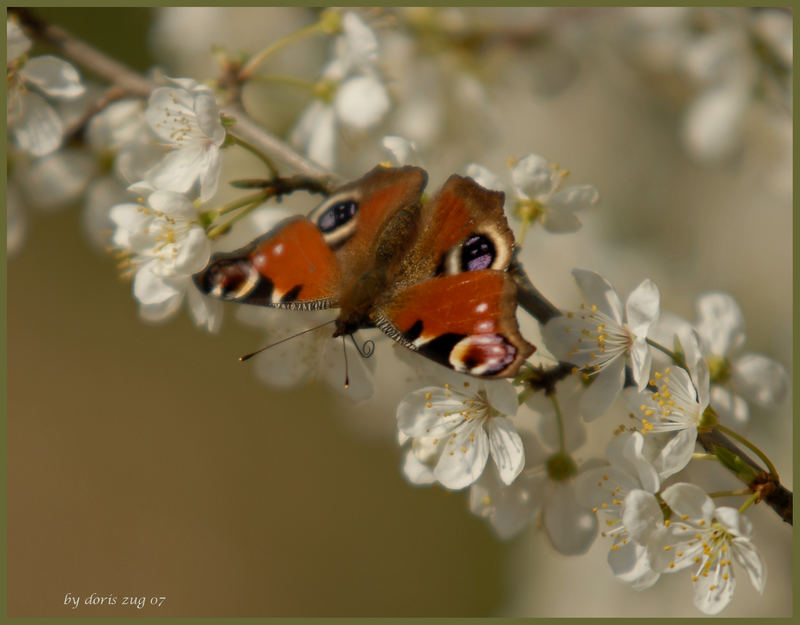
432 277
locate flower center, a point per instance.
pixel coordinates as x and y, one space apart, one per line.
560 467
719 369
528 210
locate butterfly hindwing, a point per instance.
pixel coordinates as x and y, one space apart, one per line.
462 229
463 321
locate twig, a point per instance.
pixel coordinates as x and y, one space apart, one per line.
529 297
252 132
111 95
775 494
134 84
85 55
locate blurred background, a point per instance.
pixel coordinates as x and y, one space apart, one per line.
147 460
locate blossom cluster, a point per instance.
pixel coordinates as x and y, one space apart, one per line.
449 433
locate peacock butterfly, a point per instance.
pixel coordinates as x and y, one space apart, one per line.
431 276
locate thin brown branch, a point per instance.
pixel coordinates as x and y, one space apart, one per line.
252 132
134 84
775 494
85 55
529 297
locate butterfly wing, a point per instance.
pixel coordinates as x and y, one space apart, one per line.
289 267
464 321
308 263
355 219
463 229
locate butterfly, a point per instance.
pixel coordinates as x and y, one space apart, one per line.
432 276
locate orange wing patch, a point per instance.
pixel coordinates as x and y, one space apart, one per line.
465 321
289 267
299 265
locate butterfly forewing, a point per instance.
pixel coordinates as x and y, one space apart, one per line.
290 267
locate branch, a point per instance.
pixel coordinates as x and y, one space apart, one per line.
134 84
252 132
777 496
85 55
529 297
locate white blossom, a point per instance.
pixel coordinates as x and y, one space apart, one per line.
737 376
403 151
761 380
537 192
34 123
163 245
185 117
120 131
674 403
354 96
624 493
551 471
56 180
707 540
460 429
603 336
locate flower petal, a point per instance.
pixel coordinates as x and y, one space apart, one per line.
54 77
570 527
574 198
720 323
501 395
642 308
598 291
429 412
604 389
59 178
508 508
416 471
205 311
17 43
641 362
690 501
36 126
151 289
732 409
630 564
560 222
463 457
745 554
760 379
712 593
677 453
484 177
178 170
532 175
712 126
403 151
506 448
641 515
361 102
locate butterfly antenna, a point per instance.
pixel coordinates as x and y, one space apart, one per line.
258 351
346 369
366 349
